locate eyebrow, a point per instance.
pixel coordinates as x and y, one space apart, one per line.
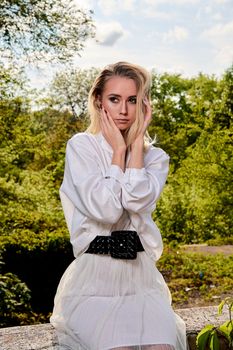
116 95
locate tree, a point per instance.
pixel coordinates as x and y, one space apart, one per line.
197 202
223 115
69 90
172 114
12 82
43 29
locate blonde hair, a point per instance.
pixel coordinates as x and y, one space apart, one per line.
142 80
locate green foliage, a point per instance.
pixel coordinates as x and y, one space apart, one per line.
205 336
218 241
193 122
15 303
12 80
48 29
196 278
70 89
172 117
15 299
210 337
30 203
38 259
197 204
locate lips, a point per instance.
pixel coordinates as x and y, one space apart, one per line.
122 120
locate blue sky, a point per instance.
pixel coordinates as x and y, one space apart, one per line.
181 36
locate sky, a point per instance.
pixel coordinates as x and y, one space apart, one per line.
174 36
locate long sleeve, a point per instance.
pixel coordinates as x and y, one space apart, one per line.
92 193
97 196
142 187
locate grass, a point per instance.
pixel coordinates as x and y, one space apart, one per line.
196 279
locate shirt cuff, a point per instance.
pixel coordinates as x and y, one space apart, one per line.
134 174
114 172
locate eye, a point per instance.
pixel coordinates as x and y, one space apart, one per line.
113 99
133 100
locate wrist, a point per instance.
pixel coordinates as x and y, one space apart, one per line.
138 143
118 157
120 150
137 154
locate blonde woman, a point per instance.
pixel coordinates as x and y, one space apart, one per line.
112 296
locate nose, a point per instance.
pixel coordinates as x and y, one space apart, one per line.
123 108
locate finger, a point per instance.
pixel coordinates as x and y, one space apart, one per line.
106 117
103 121
107 125
103 114
148 114
110 122
148 106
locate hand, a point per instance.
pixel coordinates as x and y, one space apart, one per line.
111 133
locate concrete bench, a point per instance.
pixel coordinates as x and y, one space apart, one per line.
43 337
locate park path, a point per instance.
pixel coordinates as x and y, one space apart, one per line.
205 249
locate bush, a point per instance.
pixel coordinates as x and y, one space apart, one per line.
39 260
14 301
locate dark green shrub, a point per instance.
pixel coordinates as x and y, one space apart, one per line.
39 260
14 299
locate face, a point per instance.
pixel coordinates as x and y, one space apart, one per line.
119 100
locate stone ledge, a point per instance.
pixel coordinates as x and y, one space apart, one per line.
43 337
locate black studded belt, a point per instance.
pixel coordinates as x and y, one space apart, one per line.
120 245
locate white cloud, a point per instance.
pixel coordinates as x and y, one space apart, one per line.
183 2
111 7
109 32
84 4
220 34
209 11
157 33
94 56
108 7
225 55
220 37
168 59
153 13
176 34
217 16
127 5
173 2
221 1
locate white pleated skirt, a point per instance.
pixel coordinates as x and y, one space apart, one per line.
103 303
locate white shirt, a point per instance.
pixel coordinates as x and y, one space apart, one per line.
98 197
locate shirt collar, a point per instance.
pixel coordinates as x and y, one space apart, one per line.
107 147
104 142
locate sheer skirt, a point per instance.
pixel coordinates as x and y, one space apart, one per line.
104 303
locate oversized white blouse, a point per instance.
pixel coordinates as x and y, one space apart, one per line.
98 197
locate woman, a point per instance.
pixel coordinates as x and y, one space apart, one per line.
112 296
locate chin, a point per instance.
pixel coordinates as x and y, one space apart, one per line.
123 128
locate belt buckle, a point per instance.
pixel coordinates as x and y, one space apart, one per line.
123 245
